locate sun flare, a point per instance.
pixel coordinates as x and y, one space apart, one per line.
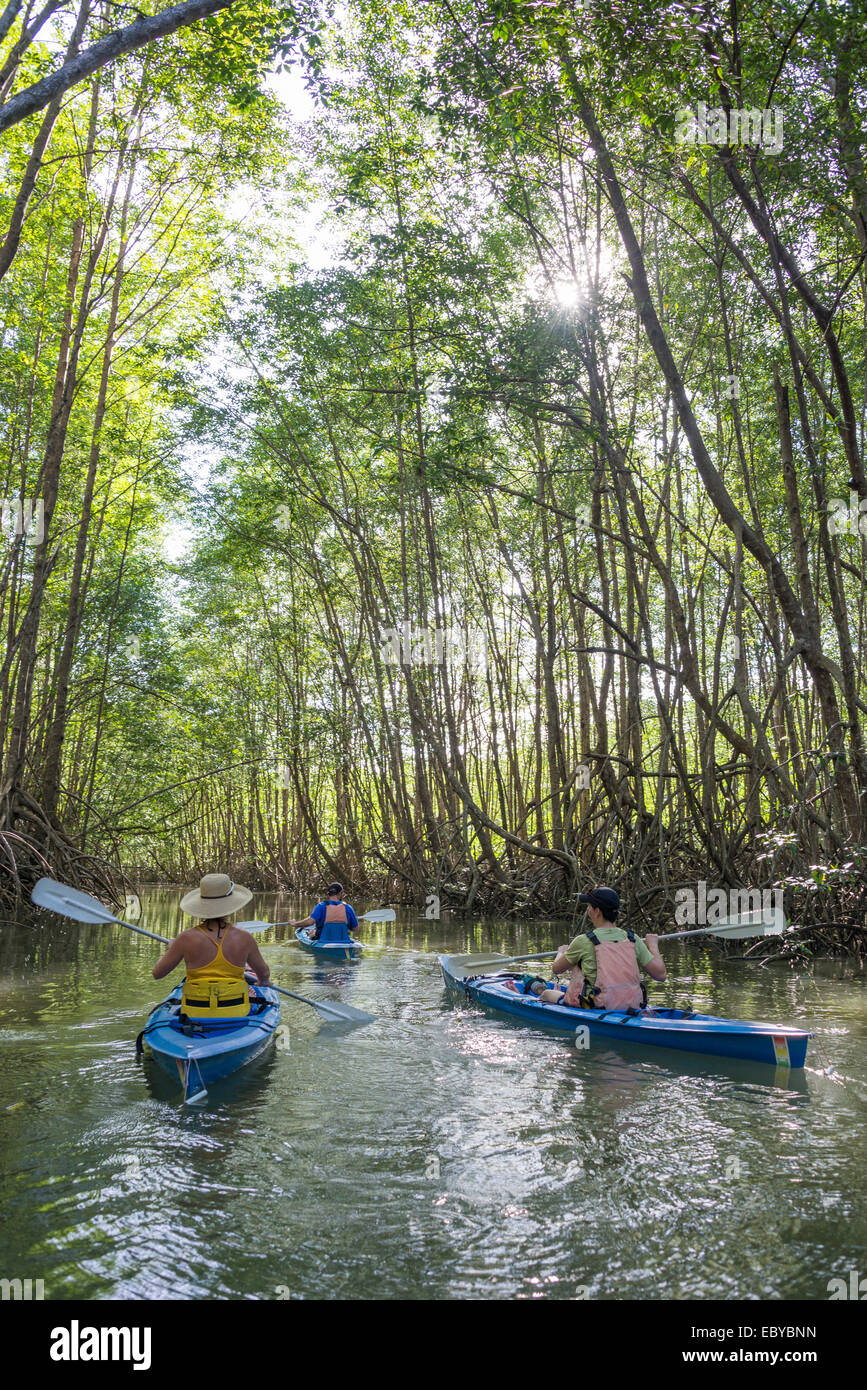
567 293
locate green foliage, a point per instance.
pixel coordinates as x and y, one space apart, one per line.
458 419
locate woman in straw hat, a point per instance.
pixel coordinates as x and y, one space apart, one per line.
215 952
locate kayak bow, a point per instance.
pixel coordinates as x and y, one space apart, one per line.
770 1043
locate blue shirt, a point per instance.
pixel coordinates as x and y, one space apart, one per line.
334 931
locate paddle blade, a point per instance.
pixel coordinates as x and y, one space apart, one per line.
342 1013
69 902
334 1013
379 914
258 926
748 924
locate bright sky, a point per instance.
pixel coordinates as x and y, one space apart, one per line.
316 245
289 87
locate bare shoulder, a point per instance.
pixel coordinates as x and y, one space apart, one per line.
181 941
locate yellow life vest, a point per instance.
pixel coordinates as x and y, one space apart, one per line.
216 990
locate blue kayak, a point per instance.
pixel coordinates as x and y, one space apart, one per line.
211 1049
775 1044
333 950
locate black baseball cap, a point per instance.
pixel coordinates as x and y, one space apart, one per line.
606 898
335 887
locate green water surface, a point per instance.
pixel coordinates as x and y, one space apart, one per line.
436 1154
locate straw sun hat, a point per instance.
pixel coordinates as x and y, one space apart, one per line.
216 896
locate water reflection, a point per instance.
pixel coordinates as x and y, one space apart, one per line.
447 1153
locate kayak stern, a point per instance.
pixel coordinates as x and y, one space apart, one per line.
329 950
211 1051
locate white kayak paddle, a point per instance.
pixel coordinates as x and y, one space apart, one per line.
379 914
737 928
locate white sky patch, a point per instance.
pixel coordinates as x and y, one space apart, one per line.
288 87
317 244
177 541
320 247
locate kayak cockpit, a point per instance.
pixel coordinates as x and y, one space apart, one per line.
170 1016
346 950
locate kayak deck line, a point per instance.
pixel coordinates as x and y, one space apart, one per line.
772 1044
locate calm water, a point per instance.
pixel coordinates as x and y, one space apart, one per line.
437 1153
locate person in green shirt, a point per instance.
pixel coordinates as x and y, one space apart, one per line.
579 957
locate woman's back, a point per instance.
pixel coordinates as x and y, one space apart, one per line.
202 948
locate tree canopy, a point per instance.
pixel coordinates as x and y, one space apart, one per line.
460 489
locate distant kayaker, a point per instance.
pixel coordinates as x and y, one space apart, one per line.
215 952
604 963
332 920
